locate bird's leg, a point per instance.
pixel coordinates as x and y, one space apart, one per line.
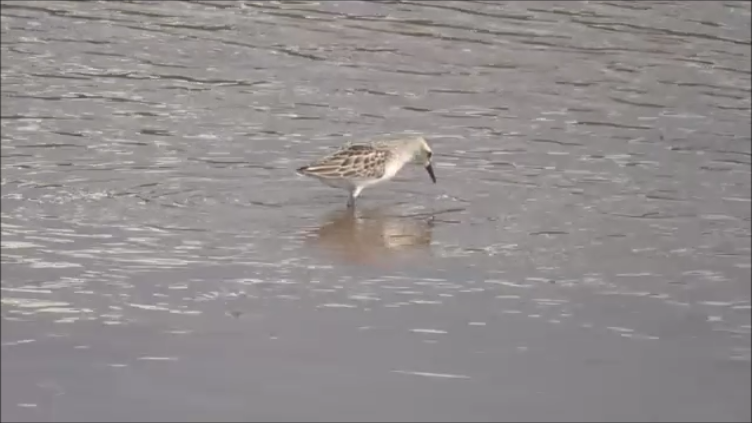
354 193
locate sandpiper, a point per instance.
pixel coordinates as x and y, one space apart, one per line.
357 166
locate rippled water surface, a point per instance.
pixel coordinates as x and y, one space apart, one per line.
585 255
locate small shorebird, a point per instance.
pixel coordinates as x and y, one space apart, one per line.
357 166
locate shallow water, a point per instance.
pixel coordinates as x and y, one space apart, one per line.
584 256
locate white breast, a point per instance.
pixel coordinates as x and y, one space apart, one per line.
392 168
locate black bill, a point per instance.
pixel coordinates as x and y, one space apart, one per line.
429 169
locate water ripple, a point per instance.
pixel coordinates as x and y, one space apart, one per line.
593 162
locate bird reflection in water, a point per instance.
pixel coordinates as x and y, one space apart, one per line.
373 236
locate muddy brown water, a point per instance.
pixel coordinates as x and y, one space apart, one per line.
585 255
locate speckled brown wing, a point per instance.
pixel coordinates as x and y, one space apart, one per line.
356 161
